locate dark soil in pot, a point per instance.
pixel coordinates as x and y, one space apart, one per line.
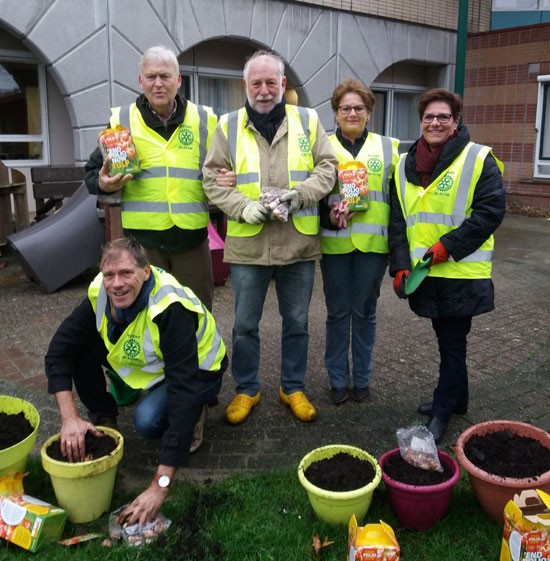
342 472
506 454
13 429
96 447
400 470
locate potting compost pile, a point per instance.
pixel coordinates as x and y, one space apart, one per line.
507 454
342 472
13 429
400 470
96 447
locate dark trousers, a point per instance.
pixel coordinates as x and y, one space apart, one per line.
452 388
90 382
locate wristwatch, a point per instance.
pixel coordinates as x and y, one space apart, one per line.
163 481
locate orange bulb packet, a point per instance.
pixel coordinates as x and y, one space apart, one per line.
353 184
119 151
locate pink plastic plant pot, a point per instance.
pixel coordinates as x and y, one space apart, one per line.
491 491
419 507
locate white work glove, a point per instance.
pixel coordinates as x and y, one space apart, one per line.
255 213
293 200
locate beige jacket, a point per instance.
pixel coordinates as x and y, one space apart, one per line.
278 243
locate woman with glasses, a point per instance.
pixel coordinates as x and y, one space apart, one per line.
355 245
447 201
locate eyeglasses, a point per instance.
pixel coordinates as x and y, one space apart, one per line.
443 118
347 109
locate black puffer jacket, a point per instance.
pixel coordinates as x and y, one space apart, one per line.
442 297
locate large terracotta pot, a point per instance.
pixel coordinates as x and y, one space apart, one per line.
420 507
492 491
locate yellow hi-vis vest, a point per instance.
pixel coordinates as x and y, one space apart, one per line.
245 160
168 191
136 356
442 207
368 230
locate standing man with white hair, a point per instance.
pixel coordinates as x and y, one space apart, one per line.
269 143
164 207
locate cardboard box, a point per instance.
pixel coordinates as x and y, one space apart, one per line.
527 527
373 542
25 520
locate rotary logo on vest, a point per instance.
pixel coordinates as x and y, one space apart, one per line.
131 347
303 143
445 184
186 136
374 165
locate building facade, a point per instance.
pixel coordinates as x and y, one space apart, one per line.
64 63
507 102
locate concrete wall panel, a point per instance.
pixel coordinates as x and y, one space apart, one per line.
105 39
64 25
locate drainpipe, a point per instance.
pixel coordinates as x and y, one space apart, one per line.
462 33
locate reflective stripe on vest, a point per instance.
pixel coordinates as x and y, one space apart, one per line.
136 356
442 207
245 158
368 230
171 171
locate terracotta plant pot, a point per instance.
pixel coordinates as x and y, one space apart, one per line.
336 507
420 507
491 491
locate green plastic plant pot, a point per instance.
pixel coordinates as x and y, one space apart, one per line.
337 507
84 489
15 457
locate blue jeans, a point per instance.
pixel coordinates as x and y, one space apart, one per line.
351 283
294 286
151 416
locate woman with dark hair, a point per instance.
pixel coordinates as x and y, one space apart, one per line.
355 245
447 201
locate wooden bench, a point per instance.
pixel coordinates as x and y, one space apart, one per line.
52 184
12 188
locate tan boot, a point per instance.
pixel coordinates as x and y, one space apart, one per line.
199 431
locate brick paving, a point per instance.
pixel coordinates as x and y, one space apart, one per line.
508 359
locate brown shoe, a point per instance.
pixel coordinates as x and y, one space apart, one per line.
199 431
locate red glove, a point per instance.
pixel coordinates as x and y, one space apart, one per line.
439 253
399 282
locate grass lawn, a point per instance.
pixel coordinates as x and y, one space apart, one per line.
265 517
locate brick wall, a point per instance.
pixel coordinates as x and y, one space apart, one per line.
500 103
436 13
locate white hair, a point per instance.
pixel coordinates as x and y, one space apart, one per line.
161 53
280 62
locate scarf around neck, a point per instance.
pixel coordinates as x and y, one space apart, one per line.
119 319
267 123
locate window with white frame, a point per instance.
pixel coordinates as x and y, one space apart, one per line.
395 114
23 135
220 89
542 149
520 5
